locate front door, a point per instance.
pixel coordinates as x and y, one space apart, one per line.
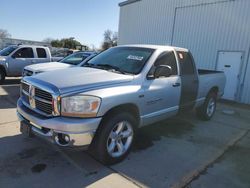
229 63
19 59
162 95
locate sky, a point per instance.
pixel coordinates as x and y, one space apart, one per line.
86 20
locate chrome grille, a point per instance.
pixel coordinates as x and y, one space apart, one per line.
25 87
44 107
43 94
43 99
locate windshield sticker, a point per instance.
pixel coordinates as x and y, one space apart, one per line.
134 57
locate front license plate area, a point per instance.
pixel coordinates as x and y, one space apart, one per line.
25 128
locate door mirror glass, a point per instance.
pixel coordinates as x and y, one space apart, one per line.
162 71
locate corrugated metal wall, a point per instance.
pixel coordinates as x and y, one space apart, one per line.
203 26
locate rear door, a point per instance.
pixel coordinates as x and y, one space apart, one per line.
189 80
42 56
20 58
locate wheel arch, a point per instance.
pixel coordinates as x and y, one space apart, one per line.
128 108
214 89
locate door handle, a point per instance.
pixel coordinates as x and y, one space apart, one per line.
176 85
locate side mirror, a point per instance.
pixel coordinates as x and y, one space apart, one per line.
162 71
16 55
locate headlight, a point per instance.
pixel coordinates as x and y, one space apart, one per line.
80 106
2 59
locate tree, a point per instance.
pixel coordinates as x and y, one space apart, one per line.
56 43
115 38
70 43
4 33
48 40
110 39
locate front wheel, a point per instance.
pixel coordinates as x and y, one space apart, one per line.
207 110
2 76
114 138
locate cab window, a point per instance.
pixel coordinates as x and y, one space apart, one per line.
41 53
24 53
166 58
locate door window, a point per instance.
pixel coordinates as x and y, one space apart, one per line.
24 53
186 63
166 58
41 53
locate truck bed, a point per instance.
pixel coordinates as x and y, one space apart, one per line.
209 79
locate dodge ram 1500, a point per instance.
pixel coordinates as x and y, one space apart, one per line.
102 104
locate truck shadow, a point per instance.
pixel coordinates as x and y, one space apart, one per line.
9 93
11 81
173 127
34 159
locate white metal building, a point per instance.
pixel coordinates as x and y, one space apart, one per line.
216 31
4 42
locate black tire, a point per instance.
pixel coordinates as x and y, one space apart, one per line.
2 76
99 147
203 112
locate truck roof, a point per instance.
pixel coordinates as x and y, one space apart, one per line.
162 47
27 45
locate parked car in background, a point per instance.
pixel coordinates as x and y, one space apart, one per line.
15 57
122 89
75 59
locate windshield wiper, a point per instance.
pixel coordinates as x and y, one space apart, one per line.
105 66
88 65
111 67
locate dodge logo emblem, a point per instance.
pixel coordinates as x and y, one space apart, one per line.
32 97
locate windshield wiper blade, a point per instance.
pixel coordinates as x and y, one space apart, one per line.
88 65
109 67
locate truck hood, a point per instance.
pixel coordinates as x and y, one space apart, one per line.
43 67
78 79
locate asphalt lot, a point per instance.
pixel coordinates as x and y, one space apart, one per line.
180 152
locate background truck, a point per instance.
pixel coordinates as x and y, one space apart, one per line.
15 57
120 90
75 59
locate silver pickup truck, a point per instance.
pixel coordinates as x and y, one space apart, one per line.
15 57
102 104
72 60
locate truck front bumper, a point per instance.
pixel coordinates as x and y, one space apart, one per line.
60 130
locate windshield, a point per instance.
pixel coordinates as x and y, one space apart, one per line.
122 59
74 59
7 51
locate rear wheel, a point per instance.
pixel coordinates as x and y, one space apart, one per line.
207 110
2 76
114 138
